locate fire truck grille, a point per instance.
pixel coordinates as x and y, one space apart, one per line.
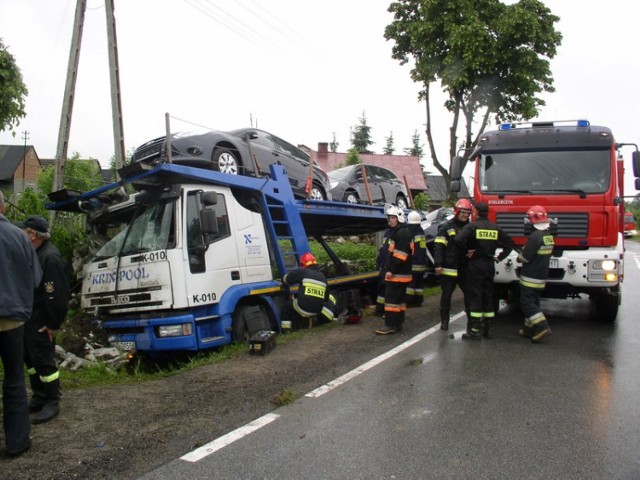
563 225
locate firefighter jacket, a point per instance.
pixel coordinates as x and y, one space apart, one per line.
400 252
419 257
483 237
383 252
535 257
51 298
447 255
312 290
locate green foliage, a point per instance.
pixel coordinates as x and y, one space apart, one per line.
422 201
388 146
333 146
13 91
361 136
286 397
79 174
362 254
416 148
491 59
352 157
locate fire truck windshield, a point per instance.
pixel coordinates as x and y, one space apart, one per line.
582 171
151 229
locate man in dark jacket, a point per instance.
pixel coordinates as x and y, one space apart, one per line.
381 264
50 305
397 272
479 241
448 262
535 258
20 274
313 298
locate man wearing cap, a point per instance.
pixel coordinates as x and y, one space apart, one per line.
478 241
19 274
50 305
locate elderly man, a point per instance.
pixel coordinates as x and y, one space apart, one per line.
49 311
19 274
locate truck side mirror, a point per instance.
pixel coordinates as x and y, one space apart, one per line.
635 159
457 167
209 223
454 186
637 183
209 199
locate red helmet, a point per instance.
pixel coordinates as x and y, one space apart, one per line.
537 214
307 259
462 204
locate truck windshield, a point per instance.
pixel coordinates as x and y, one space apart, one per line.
583 172
152 228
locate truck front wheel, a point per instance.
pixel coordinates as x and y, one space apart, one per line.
606 306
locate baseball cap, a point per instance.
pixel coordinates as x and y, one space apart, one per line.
34 222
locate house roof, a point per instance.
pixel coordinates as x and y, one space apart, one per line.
404 166
10 158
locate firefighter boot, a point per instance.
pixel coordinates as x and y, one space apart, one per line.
444 320
487 328
37 387
473 330
50 408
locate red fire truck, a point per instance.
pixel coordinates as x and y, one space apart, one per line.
573 169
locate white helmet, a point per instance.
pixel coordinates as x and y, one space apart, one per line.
395 211
413 217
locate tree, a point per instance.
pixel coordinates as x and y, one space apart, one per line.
388 146
13 91
361 136
352 157
333 146
491 59
416 149
80 174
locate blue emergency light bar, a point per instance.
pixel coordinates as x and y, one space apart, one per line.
557 123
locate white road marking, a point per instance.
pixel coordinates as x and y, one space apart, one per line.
237 434
229 438
372 363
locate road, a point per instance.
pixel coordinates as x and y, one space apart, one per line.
438 407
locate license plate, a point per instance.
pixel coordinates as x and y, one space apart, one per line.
553 263
124 346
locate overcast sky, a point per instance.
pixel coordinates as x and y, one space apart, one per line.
300 69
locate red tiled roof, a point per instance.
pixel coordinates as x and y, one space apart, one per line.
404 166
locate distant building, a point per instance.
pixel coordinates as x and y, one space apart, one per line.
437 190
19 168
406 167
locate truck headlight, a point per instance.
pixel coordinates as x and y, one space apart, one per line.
179 330
604 265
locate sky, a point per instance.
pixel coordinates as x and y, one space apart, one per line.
303 70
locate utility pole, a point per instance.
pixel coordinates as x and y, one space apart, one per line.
114 75
69 93
25 136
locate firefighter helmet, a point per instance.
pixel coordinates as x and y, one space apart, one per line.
464 205
537 215
413 217
396 212
307 259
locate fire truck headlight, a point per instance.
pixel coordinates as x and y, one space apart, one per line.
605 265
179 330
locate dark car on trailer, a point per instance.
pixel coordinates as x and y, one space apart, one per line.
246 151
349 184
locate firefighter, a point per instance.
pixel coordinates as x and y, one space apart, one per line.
381 263
449 263
478 241
415 289
50 304
313 296
535 258
397 272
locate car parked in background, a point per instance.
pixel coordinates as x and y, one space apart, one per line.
247 151
349 184
630 227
